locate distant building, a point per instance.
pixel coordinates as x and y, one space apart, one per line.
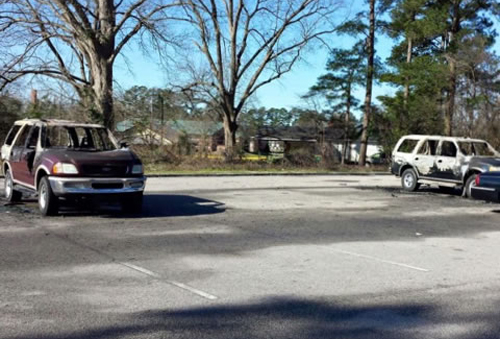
326 141
199 133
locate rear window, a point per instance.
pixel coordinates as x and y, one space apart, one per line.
12 134
476 149
407 146
482 149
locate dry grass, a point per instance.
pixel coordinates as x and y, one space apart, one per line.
168 161
208 166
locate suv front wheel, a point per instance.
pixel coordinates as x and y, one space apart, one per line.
409 180
471 182
11 195
47 201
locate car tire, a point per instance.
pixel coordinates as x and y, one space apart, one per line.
11 195
469 183
48 203
409 180
132 203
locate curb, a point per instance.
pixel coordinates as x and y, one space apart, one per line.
263 174
259 174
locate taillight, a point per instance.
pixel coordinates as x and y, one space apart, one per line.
478 179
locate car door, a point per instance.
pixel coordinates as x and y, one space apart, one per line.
425 157
7 146
447 165
16 152
26 174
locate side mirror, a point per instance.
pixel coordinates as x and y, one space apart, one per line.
123 145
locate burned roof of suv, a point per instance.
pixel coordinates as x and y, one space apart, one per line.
421 136
58 122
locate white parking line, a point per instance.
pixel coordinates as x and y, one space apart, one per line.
140 269
171 282
192 290
380 260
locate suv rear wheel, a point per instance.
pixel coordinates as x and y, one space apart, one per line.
10 193
47 201
409 180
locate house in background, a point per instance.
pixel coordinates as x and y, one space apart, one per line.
200 134
327 141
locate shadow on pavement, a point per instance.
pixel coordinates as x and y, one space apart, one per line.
423 190
165 205
294 318
154 206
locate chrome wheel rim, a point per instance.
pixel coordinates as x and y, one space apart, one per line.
8 186
42 199
408 180
469 189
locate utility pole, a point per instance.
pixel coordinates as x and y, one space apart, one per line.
162 116
151 120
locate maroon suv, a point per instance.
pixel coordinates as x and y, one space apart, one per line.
67 160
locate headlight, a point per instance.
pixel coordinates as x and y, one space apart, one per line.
137 169
62 168
494 169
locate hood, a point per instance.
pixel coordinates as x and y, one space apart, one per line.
484 162
100 157
96 164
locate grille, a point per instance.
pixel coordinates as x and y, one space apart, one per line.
107 186
104 171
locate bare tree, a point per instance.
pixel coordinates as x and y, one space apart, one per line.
248 44
74 41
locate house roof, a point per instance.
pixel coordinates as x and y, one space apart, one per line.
190 127
195 126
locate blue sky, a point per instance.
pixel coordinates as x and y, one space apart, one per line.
144 70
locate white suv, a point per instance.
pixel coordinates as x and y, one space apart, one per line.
444 161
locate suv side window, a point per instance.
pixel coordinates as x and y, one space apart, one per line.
12 134
448 149
407 146
33 138
429 147
21 140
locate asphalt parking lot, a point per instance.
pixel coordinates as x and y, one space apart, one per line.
255 257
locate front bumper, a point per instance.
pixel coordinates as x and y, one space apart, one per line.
485 193
67 186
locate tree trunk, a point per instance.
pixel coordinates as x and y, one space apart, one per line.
370 41
406 92
103 63
346 127
470 109
103 93
450 107
230 128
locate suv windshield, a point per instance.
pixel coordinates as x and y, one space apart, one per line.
476 148
78 138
